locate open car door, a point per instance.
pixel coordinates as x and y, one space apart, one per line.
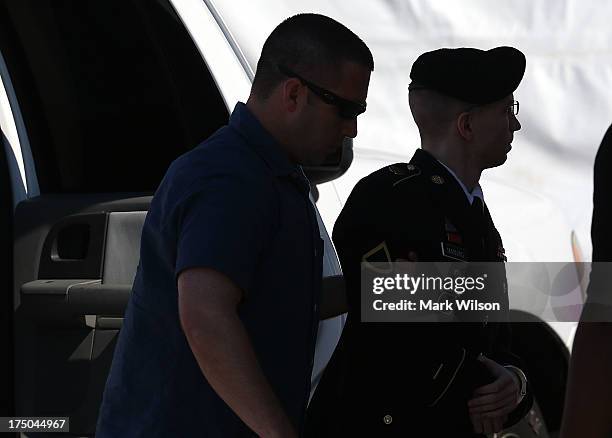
102 97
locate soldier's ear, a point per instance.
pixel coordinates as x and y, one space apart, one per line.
464 125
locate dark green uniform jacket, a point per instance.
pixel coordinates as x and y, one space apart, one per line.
380 381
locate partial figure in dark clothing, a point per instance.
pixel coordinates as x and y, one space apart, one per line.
219 334
601 232
588 401
430 379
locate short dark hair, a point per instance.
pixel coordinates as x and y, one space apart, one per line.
311 45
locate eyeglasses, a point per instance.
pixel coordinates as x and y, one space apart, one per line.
347 109
514 108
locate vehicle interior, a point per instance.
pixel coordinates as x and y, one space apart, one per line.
110 93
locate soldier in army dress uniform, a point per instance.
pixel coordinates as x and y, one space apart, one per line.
428 379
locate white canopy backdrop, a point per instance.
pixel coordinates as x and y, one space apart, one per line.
545 188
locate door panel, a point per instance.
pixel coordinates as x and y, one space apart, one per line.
77 257
74 247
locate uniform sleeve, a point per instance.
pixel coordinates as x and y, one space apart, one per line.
225 225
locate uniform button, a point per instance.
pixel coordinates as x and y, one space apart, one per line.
387 419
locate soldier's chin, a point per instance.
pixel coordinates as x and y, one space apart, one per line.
497 163
502 160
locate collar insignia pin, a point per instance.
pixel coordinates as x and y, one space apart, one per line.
396 170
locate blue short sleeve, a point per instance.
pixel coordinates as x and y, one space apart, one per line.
225 225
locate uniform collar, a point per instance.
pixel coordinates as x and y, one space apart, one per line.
448 192
476 193
266 146
443 181
425 160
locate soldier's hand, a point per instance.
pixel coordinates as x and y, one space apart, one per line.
493 402
486 425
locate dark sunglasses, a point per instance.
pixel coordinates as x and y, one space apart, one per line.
347 109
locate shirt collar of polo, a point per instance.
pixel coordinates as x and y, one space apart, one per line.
245 122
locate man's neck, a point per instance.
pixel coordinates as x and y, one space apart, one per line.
268 121
459 164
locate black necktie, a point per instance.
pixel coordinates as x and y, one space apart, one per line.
478 228
477 206
477 211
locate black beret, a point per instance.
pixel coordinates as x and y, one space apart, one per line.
471 75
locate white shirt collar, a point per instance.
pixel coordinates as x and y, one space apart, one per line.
476 193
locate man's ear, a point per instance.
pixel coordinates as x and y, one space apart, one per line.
465 125
291 94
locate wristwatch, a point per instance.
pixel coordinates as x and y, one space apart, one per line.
522 379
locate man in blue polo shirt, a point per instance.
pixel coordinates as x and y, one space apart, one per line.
218 338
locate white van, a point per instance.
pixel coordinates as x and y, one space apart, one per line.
96 100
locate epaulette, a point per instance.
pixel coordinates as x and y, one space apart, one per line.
404 171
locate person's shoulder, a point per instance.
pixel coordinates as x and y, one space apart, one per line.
387 191
225 155
223 152
603 158
390 182
400 192
405 176
220 171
